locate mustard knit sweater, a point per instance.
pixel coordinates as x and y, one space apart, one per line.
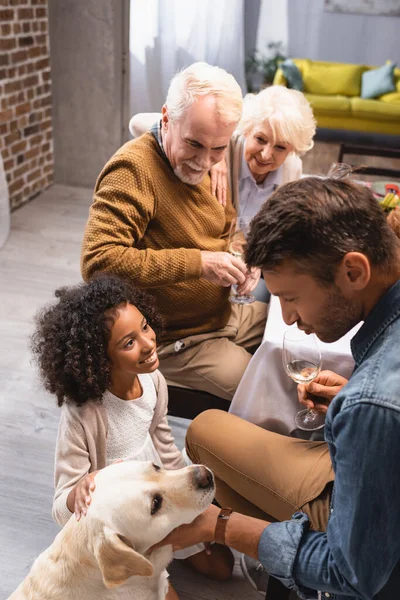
146 224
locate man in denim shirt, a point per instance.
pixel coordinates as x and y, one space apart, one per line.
327 251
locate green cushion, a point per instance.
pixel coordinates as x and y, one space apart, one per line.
329 103
292 75
376 82
375 109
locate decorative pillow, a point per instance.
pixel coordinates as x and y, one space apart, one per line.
377 82
292 75
396 76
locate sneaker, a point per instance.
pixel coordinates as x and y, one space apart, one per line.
255 573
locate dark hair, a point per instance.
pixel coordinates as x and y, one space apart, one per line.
315 222
71 337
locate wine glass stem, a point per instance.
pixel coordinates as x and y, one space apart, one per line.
311 415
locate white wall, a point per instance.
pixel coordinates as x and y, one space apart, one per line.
352 38
87 45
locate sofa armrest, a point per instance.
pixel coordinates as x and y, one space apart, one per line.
142 122
279 78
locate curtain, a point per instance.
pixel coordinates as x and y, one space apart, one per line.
168 35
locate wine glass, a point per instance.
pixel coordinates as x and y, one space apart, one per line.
339 171
238 233
302 362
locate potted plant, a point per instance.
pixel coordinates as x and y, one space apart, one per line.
261 68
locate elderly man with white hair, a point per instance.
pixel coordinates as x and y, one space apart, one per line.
155 221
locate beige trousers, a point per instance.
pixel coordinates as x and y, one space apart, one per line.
261 473
215 362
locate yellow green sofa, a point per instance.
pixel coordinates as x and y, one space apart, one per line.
334 89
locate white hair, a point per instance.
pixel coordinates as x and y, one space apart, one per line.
202 79
287 112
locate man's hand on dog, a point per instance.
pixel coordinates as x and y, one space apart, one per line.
202 529
319 393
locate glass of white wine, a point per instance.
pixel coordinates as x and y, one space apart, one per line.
302 361
237 243
340 171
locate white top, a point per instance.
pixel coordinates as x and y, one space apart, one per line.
129 422
251 194
129 434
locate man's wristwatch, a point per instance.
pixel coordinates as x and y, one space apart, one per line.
220 527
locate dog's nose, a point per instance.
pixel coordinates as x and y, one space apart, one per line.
203 477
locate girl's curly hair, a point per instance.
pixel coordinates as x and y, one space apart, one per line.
71 337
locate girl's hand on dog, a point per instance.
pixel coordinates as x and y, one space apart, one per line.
79 497
319 393
82 494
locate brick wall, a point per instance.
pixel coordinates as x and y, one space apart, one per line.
26 136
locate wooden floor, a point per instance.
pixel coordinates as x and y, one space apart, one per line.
42 253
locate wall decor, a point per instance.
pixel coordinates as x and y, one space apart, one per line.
364 7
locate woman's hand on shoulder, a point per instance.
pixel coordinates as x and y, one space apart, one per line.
219 181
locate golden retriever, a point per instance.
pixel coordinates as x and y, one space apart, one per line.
104 556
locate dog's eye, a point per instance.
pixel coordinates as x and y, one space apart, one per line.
156 504
156 467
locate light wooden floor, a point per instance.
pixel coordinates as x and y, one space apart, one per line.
42 253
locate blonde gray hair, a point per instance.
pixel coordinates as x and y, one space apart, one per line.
287 112
202 79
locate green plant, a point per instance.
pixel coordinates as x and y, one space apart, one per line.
264 66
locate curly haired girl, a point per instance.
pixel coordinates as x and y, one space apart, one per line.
96 351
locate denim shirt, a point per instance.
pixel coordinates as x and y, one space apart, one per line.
359 554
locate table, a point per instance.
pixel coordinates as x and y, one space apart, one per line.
266 396
391 153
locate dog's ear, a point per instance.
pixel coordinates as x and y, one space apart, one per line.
118 560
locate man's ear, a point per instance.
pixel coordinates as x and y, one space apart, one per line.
118 560
354 272
164 117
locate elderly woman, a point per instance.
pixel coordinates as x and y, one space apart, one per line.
277 127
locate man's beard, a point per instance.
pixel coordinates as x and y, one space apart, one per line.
192 178
338 316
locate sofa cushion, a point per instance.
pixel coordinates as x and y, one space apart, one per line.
375 109
376 82
329 104
329 78
292 75
392 97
